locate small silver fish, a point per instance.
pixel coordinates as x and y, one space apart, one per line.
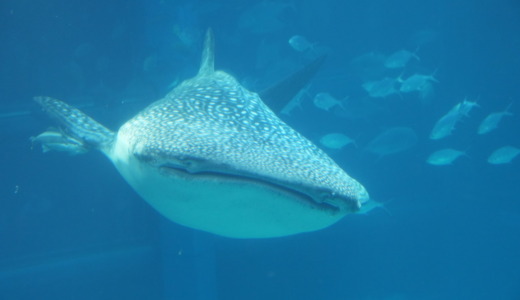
503 155
399 59
492 120
58 141
381 88
326 101
444 157
336 140
466 106
446 124
416 82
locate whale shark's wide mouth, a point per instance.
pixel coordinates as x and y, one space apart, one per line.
328 204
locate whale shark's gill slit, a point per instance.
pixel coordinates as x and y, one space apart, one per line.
254 181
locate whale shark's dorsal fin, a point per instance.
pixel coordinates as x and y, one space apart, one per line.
207 65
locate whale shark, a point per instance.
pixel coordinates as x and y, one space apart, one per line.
212 156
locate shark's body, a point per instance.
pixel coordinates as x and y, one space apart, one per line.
212 156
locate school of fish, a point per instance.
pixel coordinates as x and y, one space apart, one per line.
388 78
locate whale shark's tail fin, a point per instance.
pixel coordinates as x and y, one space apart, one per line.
75 125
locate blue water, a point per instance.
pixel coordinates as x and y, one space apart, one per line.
71 227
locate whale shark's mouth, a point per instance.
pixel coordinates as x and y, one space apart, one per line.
328 204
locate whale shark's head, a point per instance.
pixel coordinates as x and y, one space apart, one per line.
213 156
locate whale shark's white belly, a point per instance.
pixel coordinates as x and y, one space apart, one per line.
222 205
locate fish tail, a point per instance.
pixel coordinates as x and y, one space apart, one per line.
432 77
506 111
76 124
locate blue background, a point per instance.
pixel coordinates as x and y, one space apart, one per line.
71 228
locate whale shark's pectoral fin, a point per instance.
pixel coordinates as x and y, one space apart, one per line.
75 126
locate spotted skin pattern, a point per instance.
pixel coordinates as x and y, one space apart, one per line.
212 123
